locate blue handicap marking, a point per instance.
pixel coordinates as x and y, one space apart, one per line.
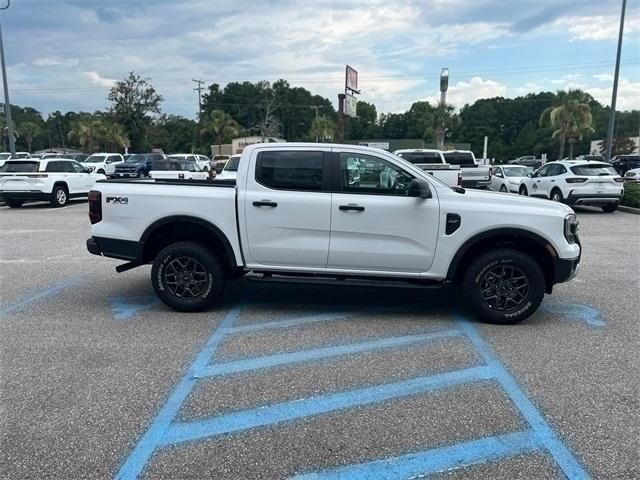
582 313
125 308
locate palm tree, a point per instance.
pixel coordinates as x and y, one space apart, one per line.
221 126
570 119
323 129
87 134
29 131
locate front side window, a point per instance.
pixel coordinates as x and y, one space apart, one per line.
290 170
77 168
372 175
542 172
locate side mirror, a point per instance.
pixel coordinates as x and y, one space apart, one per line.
419 188
530 174
88 170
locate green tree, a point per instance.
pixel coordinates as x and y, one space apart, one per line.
29 131
133 102
221 126
570 119
323 129
443 120
621 146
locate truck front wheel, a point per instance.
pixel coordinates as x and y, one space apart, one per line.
187 276
503 286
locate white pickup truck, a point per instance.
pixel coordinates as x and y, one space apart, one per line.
433 162
294 213
474 175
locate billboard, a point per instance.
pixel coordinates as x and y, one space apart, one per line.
350 106
351 80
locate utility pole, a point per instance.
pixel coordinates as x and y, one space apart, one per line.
199 89
444 86
316 108
7 102
614 95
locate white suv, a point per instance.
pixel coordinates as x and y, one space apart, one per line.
576 182
103 163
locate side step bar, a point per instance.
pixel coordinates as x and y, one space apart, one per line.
338 280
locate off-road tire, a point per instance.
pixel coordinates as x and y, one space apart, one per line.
194 298
476 277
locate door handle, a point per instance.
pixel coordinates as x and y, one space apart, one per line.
553 180
265 203
357 208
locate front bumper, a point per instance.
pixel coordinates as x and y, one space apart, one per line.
595 199
564 269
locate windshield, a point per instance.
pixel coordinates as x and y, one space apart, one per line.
11 167
137 158
464 159
95 159
232 164
421 157
517 171
594 170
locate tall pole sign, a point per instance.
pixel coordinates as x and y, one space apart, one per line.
614 94
7 102
347 103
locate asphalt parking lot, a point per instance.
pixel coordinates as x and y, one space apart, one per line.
100 380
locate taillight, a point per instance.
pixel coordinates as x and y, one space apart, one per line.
576 179
95 206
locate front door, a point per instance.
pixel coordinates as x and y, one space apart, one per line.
375 226
287 208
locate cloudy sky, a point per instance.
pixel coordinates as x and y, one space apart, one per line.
64 54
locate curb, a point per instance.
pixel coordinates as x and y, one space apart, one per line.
624 208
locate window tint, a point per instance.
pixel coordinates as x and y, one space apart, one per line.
594 169
56 167
367 174
11 167
232 164
542 171
464 159
291 170
555 169
421 157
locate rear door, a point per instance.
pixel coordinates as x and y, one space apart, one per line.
375 226
287 207
79 178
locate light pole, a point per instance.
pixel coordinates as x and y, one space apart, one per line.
444 86
7 102
614 95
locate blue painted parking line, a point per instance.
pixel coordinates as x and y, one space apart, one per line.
41 295
125 308
544 434
290 358
298 409
582 313
143 451
419 464
165 430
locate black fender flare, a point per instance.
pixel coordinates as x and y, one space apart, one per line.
500 232
215 231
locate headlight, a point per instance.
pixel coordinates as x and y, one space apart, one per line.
571 228
91 169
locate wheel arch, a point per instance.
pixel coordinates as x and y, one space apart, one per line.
177 228
525 241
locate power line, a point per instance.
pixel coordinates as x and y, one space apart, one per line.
199 89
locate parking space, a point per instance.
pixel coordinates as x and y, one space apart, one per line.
101 380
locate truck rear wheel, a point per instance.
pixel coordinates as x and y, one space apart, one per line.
503 286
187 276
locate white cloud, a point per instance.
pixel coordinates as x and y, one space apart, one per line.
598 27
603 77
98 80
55 62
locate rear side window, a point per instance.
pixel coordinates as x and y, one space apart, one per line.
291 170
459 158
10 167
59 167
594 170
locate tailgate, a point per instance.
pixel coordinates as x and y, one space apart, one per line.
21 183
